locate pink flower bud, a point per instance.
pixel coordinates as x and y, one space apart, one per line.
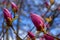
31 35
14 7
48 37
7 16
6 13
37 21
47 5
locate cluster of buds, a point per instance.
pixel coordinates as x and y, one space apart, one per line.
9 20
7 16
37 20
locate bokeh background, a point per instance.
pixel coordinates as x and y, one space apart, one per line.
24 24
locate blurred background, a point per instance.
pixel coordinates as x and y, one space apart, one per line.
23 23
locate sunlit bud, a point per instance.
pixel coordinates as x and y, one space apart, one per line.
14 7
37 21
48 19
51 2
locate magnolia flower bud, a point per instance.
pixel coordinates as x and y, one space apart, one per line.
14 7
48 37
31 35
7 13
7 16
37 21
47 5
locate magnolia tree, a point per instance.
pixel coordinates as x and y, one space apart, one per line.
42 22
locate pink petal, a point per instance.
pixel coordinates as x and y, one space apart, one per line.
6 13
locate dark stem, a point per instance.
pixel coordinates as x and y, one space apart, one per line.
7 35
16 33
